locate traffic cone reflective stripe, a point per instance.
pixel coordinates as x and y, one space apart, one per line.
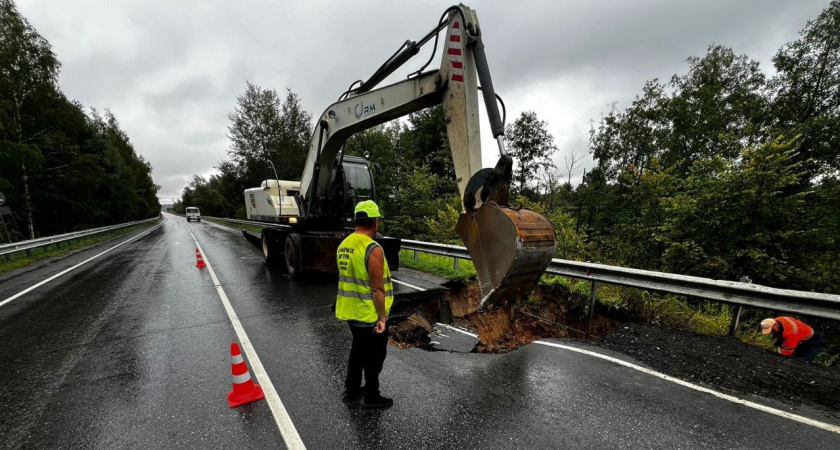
244 389
199 260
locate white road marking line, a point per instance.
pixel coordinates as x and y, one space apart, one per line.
450 327
731 398
35 286
284 423
406 284
760 407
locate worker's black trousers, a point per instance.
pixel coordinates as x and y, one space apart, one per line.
808 349
367 354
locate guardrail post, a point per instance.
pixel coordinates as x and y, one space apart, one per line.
8 257
591 312
736 315
28 252
415 255
455 264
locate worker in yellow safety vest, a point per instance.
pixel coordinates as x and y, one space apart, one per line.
365 295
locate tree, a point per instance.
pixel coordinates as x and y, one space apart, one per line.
427 141
27 66
734 218
807 87
295 131
718 108
532 147
571 161
60 167
408 189
262 130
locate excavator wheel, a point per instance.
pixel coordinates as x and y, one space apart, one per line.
292 254
510 249
269 248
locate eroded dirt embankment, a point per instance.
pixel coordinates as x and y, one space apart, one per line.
720 362
502 329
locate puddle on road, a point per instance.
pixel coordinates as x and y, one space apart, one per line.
552 312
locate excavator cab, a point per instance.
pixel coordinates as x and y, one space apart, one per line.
352 182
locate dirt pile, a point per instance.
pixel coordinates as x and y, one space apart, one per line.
557 318
726 363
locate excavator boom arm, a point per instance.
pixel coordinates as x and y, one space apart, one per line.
510 247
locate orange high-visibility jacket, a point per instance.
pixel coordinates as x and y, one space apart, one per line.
793 332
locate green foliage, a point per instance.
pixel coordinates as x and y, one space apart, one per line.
263 129
441 266
441 228
417 177
807 93
736 217
61 169
570 243
703 175
531 146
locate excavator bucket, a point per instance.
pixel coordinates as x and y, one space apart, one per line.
510 248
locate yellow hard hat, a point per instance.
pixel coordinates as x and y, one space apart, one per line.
369 209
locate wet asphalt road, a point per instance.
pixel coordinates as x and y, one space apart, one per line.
132 350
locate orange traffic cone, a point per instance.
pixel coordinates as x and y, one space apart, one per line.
244 389
199 260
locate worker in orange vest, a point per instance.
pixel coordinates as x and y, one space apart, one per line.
793 337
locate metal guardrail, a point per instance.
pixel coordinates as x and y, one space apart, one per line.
26 246
249 222
826 306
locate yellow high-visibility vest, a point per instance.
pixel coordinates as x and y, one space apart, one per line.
354 300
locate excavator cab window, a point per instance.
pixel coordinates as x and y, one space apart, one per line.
358 186
352 183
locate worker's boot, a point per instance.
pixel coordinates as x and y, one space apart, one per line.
352 395
378 402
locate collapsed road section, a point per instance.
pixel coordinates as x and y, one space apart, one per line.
434 322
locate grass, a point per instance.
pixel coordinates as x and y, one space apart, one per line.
672 311
241 226
21 259
442 266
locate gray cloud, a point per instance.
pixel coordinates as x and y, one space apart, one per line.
171 71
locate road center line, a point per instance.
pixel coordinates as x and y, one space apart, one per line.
281 416
731 398
35 286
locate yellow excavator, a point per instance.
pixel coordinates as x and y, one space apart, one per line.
509 246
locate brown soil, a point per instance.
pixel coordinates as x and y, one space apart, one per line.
412 332
531 322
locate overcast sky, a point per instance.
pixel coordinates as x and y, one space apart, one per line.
171 70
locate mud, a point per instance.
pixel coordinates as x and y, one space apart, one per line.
412 332
727 364
554 314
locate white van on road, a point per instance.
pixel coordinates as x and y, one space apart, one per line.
193 214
